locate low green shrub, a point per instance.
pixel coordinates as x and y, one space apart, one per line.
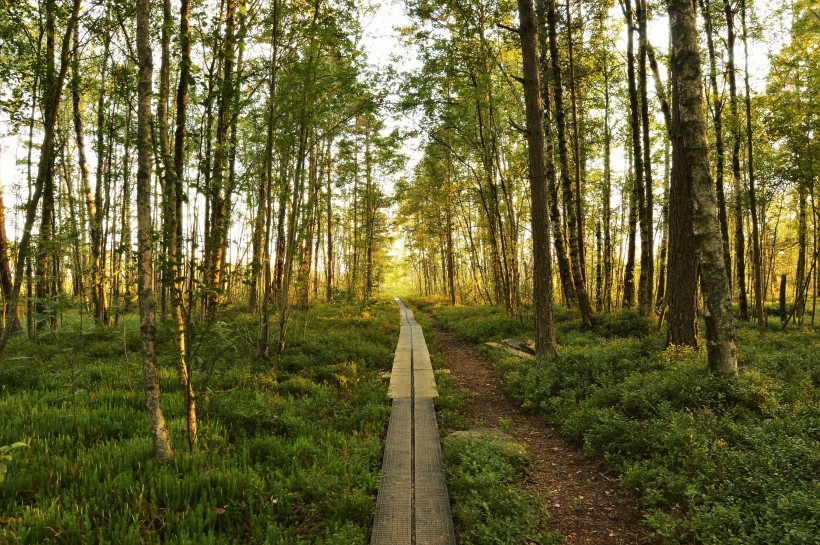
711 460
490 507
477 323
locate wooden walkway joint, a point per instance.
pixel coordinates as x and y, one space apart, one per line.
413 507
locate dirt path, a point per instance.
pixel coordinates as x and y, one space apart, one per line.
588 507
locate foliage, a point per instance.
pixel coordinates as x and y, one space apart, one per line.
6 456
288 453
477 323
713 461
490 505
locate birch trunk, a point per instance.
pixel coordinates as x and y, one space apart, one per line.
148 326
691 168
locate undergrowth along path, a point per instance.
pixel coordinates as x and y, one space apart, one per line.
588 507
412 507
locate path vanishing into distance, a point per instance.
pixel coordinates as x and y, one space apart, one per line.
413 506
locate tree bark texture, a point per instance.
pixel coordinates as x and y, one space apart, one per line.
545 347
145 277
691 167
564 268
740 241
717 117
566 182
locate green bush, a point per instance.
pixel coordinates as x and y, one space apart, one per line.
712 460
490 506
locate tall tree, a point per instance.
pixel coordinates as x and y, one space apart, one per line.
647 230
174 230
145 278
717 119
45 164
564 267
576 140
639 192
740 241
219 190
545 348
757 259
691 168
566 182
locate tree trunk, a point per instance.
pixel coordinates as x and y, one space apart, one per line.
576 146
682 270
599 273
566 182
290 242
11 318
564 267
125 210
545 347
639 190
451 259
174 231
717 117
329 270
756 254
75 233
52 107
222 154
800 272
740 242
783 312
260 223
148 326
165 160
298 189
45 243
607 197
629 266
660 297
77 118
309 229
369 210
647 231
691 168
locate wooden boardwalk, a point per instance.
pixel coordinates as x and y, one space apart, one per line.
413 507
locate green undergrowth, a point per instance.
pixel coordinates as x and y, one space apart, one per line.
489 502
711 460
289 450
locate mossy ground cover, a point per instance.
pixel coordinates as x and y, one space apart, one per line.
289 450
712 461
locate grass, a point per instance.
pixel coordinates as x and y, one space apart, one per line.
289 452
489 502
712 461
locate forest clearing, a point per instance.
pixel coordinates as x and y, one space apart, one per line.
424 272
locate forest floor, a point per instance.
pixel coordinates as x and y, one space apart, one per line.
587 505
630 425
